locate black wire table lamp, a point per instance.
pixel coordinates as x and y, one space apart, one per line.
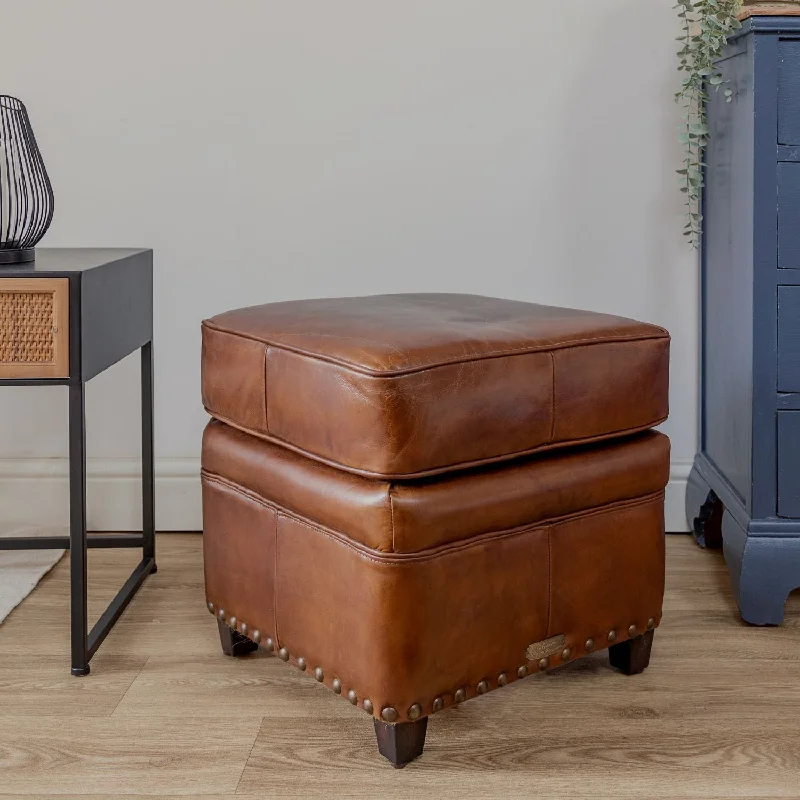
26 196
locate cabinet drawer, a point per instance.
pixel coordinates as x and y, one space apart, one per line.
789 464
789 215
34 328
789 339
789 91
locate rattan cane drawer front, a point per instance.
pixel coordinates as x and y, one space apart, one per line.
34 328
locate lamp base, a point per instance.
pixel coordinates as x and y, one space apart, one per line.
22 256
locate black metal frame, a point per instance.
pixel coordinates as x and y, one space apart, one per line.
84 643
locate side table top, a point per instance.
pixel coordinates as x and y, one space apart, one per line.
109 294
51 261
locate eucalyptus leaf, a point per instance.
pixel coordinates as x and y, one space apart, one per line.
707 25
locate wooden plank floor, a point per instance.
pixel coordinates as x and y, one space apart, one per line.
164 713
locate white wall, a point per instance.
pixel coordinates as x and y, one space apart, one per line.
272 150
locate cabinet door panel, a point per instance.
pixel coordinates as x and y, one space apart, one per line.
789 92
789 215
789 464
789 338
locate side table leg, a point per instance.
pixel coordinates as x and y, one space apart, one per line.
77 529
148 457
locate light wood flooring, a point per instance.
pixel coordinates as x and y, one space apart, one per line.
164 713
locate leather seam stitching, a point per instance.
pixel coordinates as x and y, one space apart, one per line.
422 366
549 580
275 582
435 470
391 515
266 389
401 559
553 399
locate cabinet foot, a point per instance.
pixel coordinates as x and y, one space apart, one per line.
703 511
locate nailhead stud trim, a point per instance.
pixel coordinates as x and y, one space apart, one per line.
210 606
221 614
389 714
232 622
243 628
256 636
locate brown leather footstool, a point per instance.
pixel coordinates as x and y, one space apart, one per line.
417 499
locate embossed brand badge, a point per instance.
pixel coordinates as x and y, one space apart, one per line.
546 647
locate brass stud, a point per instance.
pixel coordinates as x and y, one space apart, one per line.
210 606
352 696
221 614
283 654
522 671
256 636
243 628
482 687
438 704
232 622
269 644
566 653
589 645
319 674
651 623
502 679
389 714
460 696
367 704
301 664
612 636
632 631
544 663
414 712
336 685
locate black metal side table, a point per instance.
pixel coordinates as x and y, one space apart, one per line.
64 318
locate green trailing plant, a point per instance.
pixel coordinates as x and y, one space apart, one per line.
707 25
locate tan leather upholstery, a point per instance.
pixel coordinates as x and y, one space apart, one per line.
401 628
400 386
406 517
419 498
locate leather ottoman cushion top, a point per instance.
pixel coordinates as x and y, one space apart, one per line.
402 386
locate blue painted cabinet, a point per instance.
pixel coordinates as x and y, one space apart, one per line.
744 489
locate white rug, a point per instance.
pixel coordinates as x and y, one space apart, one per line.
21 570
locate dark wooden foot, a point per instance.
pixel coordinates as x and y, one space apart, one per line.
233 643
704 511
632 656
402 742
707 526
